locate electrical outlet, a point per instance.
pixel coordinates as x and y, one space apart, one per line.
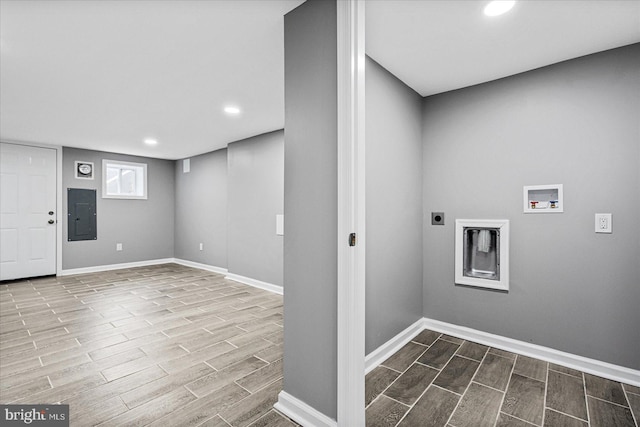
201 246
118 246
603 223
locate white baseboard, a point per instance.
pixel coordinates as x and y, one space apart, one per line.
255 283
302 413
109 267
235 277
584 364
386 350
201 266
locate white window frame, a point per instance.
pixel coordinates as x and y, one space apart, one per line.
141 173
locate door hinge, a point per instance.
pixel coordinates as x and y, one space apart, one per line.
352 239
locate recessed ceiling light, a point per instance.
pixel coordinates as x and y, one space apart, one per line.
498 7
150 141
231 109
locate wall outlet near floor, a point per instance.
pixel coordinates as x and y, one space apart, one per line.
118 246
603 223
201 246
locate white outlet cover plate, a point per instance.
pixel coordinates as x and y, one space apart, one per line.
606 219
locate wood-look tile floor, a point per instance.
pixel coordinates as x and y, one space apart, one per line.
164 345
439 380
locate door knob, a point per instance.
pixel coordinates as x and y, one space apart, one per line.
51 221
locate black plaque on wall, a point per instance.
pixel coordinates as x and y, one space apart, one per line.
82 215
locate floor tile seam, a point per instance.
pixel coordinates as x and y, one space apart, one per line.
415 360
564 373
629 392
636 419
500 355
624 388
448 360
519 419
547 408
263 386
410 407
179 345
586 399
391 398
479 362
451 341
463 394
608 401
445 389
396 379
221 417
184 386
209 365
506 388
584 395
104 422
546 388
529 378
231 344
255 423
394 370
419 397
518 356
469 358
34 370
5 349
489 387
50 383
422 344
470 381
568 375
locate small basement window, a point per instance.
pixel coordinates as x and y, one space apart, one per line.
124 180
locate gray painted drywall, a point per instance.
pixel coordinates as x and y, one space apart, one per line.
573 123
144 227
255 197
310 205
201 209
393 206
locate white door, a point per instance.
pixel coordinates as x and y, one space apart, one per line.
27 211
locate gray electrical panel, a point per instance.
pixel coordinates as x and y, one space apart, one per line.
82 215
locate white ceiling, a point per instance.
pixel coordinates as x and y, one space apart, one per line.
106 74
439 45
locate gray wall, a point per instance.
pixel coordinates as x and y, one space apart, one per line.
310 205
255 196
201 209
144 227
574 123
393 206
